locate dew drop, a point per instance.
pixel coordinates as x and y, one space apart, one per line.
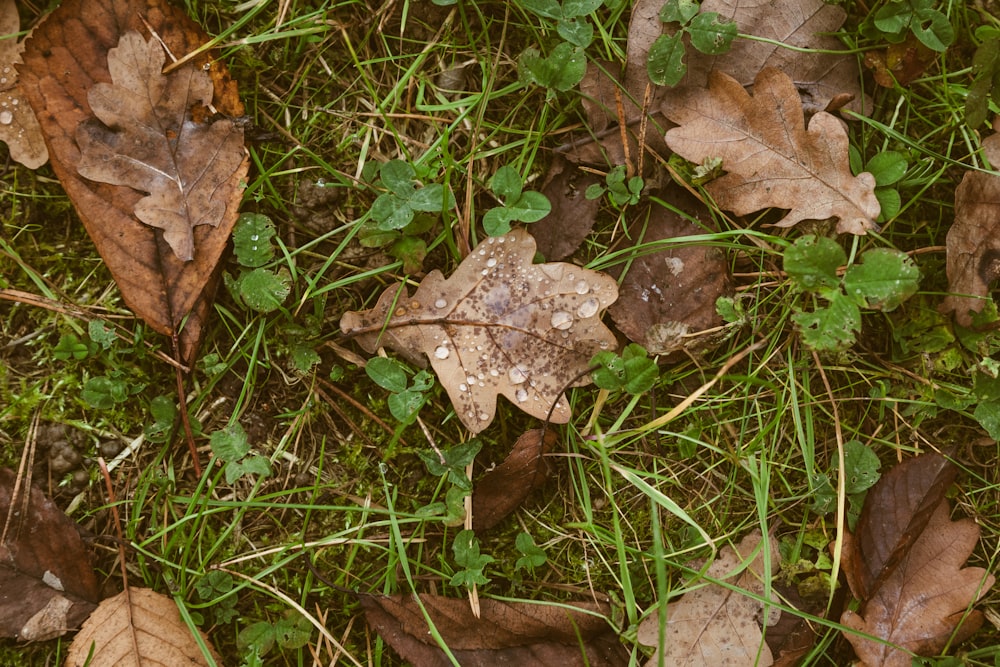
471 379
6 118
254 237
491 262
441 303
582 287
516 375
3 79
494 373
483 417
463 387
442 352
561 320
588 308
521 395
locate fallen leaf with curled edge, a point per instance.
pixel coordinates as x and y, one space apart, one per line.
502 490
498 325
771 158
18 126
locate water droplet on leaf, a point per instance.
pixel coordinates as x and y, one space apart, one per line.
561 320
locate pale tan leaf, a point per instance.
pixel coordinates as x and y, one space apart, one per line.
148 141
715 625
926 600
772 160
153 624
19 128
499 325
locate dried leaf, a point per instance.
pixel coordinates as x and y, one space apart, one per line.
502 490
18 126
572 217
895 514
152 623
771 159
668 296
899 64
714 625
925 601
65 57
47 583
973 242
499 325
147 140
506 633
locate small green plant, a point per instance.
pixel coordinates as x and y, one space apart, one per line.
861 471
895 18
621 191
256 640
633 371
257 288
164 413
407 396
985 77
465 546
888 168
71 347
570 17
882 281
532 556
518 205
405 196
230 445
706 31
451 463
214 589
565 65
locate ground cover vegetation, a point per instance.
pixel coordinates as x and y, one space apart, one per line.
729 269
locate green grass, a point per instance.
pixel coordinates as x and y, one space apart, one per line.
633 497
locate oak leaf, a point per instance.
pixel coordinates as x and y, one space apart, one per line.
147 140
18 126
498 325
47 582
137 619
772 160
925 602
501 490
505 633
65 57
717 625
973 242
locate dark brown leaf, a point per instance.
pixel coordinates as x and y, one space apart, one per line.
18 126
668 296
47 584
498 325
899 64
925 601
895 513
64 59
502 490
507 633
572 217
973 241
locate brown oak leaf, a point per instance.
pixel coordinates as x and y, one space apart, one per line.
498 325
716 625
925 602
67 56
772 160
501 490
147 140
142 619
505 633
18 126
973 242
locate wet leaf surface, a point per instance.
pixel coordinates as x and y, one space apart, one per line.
66 57
506 633
18 126
47 582
668 296
141 618
771 158
498 325
716 625
502 490
973 241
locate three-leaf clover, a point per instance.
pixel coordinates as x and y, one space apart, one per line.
407 396
518 205
231 446
707 32
395 208
633 371
466 549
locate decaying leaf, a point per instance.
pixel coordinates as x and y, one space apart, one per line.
771 159
47 583
714 625
152 623
973 241
505 633
498 325
572 217
18 126
66 57
925 602
501 490
899 64
895 514
147 140
668 296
